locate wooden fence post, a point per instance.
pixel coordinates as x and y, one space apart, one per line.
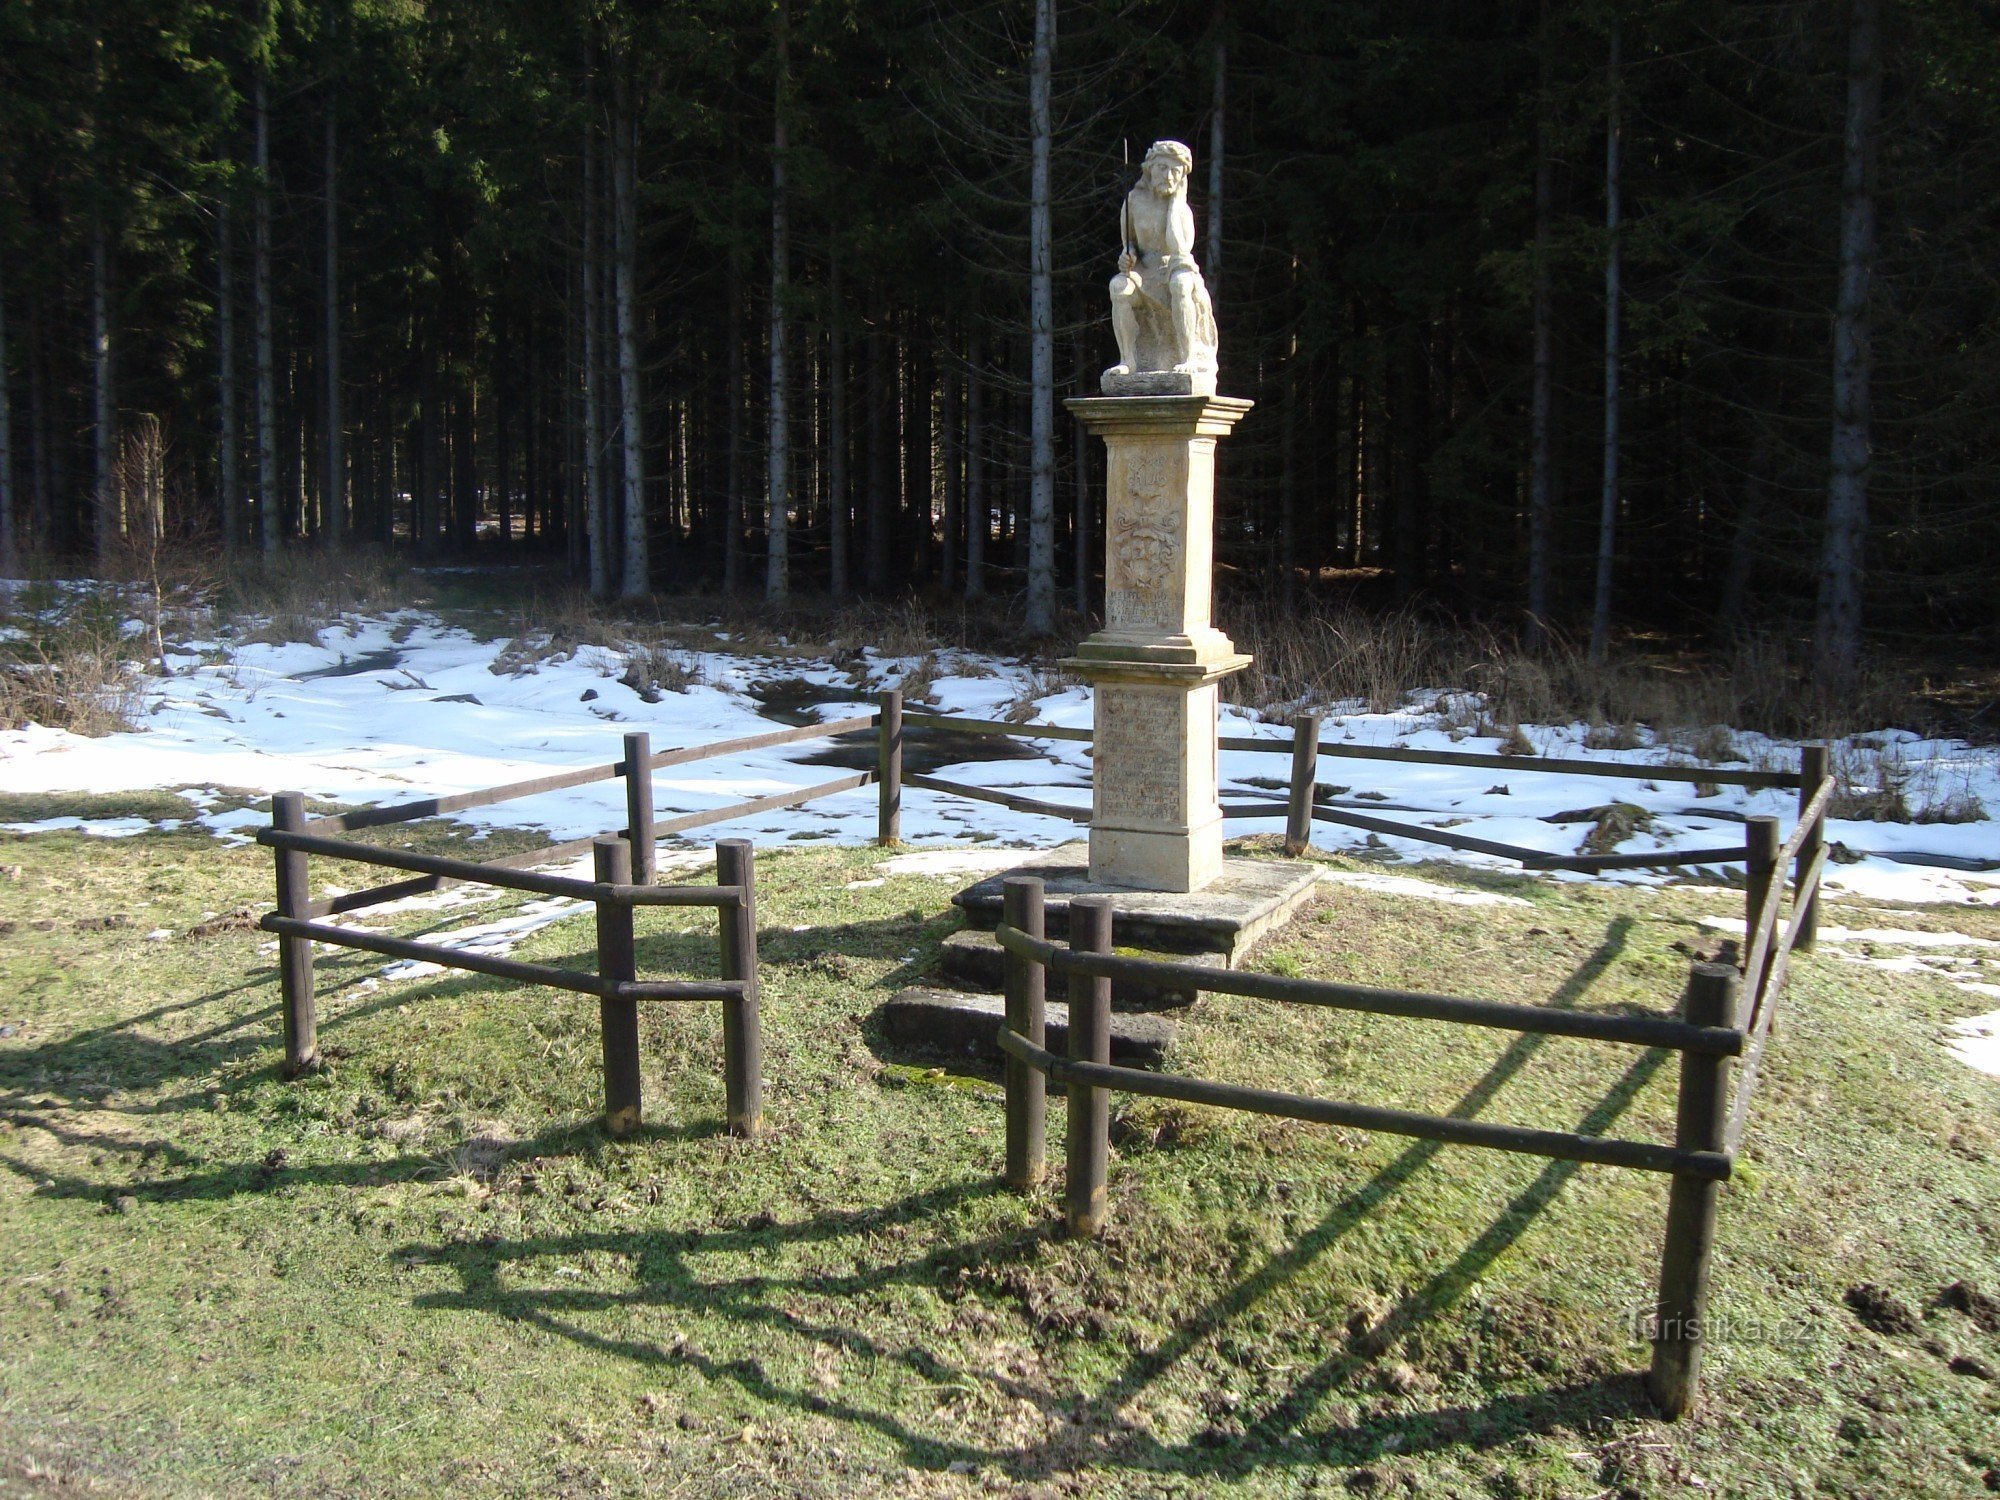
639 806
1089 1041
1027 1089
295 954
1305 772
1812 771
889 770
1760 880
742 1025
618 1020
1700 1125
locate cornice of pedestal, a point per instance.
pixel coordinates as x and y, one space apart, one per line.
1159 416
1185 661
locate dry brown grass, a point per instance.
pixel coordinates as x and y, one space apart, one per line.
301 591
78 678
1384 660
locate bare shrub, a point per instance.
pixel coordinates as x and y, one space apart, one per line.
1042 682
919 682
77 678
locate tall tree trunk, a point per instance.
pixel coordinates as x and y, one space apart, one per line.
1607 514
1837 636
778 497
1288 466
1541 437
229 436
837 499
1081 528
977 518
41 477
624 174
9 515
1041 334
260 296
917 455
595 510
104 435
738 376
952 444
881 503
1213 270
333 482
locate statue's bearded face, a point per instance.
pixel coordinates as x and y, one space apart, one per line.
1165 175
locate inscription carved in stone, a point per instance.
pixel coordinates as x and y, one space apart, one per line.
1136 767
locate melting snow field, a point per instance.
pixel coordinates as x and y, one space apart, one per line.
381 709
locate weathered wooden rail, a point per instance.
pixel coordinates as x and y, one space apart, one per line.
1709 1034
626 866
1301 809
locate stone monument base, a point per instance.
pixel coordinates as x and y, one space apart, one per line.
1158 383
1246 901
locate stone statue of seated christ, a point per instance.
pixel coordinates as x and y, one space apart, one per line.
1160 310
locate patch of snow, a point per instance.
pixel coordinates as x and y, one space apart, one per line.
494 939
443 722
951 862
1975 1041
1421 890
97 828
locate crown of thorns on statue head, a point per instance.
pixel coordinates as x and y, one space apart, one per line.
1174 151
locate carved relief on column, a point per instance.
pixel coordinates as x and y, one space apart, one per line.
1145 556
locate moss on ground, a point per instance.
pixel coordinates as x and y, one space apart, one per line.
426 1269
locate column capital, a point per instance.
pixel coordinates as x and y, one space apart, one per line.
1159 416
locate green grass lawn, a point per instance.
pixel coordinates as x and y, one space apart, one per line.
427 1270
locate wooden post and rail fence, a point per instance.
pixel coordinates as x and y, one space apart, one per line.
1721 1042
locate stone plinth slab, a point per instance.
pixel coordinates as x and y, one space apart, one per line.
1158 383
1248 899
968 1024
973 957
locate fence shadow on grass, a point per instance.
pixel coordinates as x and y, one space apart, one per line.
1086 1433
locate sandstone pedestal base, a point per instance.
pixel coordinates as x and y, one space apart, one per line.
1248 899
1154 821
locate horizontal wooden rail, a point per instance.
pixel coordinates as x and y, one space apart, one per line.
757 805
1659 859
682 989
374 895
578 981
915 720
1005 799
519 880
1392 829
437 807
1643 1031
692 753
1712 775
1562 1145
432 953
548 854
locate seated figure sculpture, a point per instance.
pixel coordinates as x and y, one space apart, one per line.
1160 310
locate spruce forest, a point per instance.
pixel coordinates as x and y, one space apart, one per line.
1567 317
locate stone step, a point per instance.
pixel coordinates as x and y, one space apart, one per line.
968 1024
1228 916
974 958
